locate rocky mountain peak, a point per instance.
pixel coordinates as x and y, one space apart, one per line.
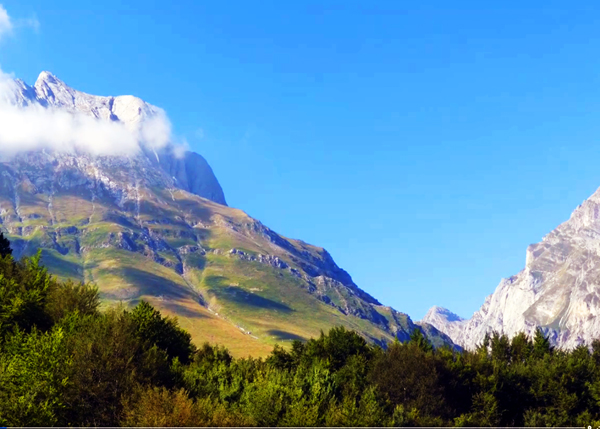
441 313
51 91
557 291
188 171
16 92
444 320
45 77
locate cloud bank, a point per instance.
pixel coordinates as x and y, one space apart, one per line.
34 127
26 126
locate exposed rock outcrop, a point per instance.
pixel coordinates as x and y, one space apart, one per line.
558 290
187 170
193 174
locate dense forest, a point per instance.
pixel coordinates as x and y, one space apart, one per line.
63 362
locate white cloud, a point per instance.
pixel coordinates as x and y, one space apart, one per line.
6 24
33 127
180 149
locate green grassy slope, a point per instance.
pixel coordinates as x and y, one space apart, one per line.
174 249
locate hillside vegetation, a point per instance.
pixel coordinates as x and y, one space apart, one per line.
228 278
65 363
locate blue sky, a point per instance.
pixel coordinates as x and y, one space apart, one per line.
424 147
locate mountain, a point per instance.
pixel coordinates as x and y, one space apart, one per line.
558 290
154 225
190 170
445 321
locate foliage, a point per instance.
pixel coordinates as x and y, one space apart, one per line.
5 249
110 360
24 288
65 363
161 407
70 297
162 331
34 371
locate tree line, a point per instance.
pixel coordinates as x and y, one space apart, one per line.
65 363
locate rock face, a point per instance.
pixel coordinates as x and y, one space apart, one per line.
445 321
193 174
49 91
558 291
188 171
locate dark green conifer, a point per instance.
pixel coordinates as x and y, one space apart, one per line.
5 249
417 338
541 344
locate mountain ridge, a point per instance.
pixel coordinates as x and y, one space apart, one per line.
154 225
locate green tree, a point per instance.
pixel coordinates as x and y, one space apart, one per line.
335 347
280 359
500 348
109 361
69 297
311 394
407 375
34 377
162 331
5 249
420 340
520 348
541 344
24 288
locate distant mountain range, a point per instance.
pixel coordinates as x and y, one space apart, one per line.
155 225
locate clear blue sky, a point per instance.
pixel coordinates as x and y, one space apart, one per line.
424 147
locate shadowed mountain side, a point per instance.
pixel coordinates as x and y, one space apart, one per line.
193 174
118 219
151 284
248 299
62 267
179 310
284 335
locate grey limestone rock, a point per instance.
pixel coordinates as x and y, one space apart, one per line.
557 291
